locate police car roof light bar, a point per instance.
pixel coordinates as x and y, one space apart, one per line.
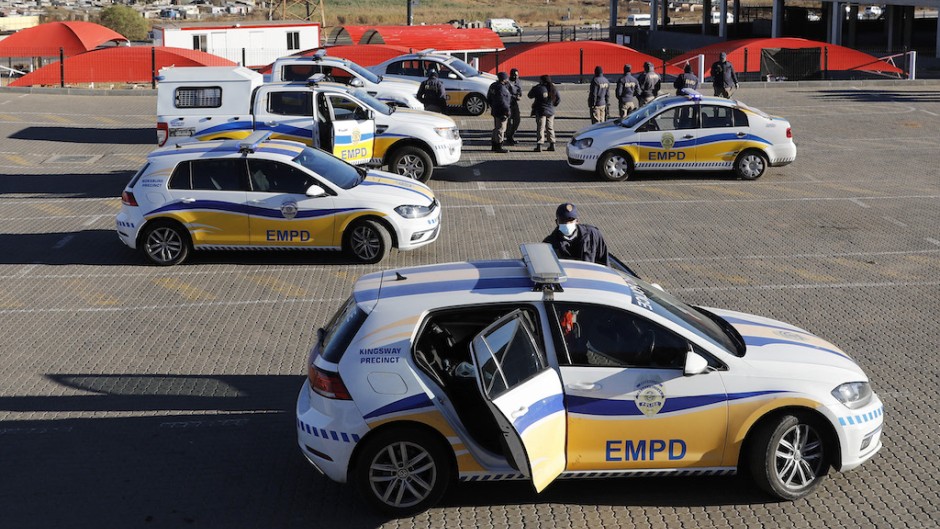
316 79
691 94
544 268
320 54
250 143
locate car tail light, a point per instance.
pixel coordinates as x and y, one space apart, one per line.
163 132
327 384
789 132
127 198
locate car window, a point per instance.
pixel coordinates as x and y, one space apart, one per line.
269 176
716 117
219 174
341 330
740 118
291 103
509 356
137 176
410 68
298 72
677 118
596 335
331 168
345 108
181 177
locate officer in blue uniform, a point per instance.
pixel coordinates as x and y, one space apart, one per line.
686 79
576 241
431 93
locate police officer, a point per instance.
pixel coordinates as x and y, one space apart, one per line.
724 80
576 241
500 100
686 79
648 84
545 98
626 92
431 93
515 90
598 96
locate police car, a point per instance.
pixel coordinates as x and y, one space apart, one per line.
259 193
535 369
465 86
685 132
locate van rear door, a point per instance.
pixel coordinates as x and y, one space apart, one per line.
352 128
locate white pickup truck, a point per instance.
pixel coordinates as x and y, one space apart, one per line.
225 102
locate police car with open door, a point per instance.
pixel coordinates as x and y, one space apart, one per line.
535 369
689 132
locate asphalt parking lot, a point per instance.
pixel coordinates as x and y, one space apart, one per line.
137 396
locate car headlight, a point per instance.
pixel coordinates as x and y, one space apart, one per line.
448 133
853 394
413 212
582 143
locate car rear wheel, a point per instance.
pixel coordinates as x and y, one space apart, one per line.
615 166
788 457
368 241
402 471
412 162
165 243
750 165
474 104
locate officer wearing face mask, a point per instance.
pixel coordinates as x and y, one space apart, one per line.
576 241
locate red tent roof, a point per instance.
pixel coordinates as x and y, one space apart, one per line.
360 54
563 58
346 35
442 37
840 57
119 65
45 40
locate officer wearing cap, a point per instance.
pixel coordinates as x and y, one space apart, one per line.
576 241
598 94
500 100
724 80
648 84
626 92
686 79
432 94
515 90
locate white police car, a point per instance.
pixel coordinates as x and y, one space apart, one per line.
689 132
259 193
537 369
465 86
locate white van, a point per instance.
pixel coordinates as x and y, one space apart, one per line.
504 26
638 20
716 17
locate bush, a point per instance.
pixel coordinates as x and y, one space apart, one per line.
126 21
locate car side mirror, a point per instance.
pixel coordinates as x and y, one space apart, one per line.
695 364
356 82
452 75
315 191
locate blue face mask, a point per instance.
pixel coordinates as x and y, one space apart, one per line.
568 229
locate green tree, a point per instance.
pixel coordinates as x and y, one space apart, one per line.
126 21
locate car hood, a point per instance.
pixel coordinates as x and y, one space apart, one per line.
418 117
393 189
605 126
780 348
399 85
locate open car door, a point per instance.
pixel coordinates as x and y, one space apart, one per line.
353 131
525 395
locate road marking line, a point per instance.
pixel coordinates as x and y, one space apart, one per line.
505 255
859 202
58 119
802 272
667 193
25 270
62 242
733 192
52 210
548 199
281 287
109 121
895 221
600 194
886 284
871 269
710 272
933 241
93 220
87 291
929 112
173 306
7 117
17 159
490 211
465 196
186 290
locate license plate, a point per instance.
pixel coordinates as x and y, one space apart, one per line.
189 131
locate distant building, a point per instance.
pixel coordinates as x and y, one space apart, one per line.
246 44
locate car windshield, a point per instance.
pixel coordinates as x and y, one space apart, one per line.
366 74
698 322
643 113
372 102
465 69
338 172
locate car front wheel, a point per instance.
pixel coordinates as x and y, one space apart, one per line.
750 165
474 104
615 166
788 458
402 471
368 241
165 243
412 162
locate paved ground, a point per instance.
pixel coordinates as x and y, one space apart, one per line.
135 396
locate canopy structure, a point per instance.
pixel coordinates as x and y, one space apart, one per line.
442 37
564 58
118 65
346 35
45 40
832 57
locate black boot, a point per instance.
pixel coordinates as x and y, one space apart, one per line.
498 147
538 147
551 146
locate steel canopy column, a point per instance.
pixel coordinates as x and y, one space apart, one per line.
613 20
853 24
889 26
776 19
723 20
654 11
837 15
706 16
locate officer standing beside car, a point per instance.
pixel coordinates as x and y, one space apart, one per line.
431 93
573 240
545 98
598 95
515 90
500 99
724 80
686 79
648 84
626 92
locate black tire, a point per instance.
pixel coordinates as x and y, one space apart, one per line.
615 165
402 485
474 104
367 241
750 164
413 162
788 457
165 243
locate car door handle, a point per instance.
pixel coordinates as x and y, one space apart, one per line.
271 123
584 386
742 134
520 412
188 200
688 137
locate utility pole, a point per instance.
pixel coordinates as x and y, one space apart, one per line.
411 14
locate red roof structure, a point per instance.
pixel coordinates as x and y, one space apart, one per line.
564 58
119 65
441 37
839 58
45 40
346 35
360 54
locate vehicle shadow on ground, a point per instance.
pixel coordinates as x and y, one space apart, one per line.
71 185
540 170
102 248
483 137
118 136
878 96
